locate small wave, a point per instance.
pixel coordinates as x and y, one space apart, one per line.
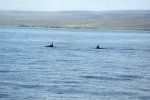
118 78
116 93
30 86
11 50
144 98
7 71
144 90
4 96
98 77
71 82
129 77
66 91
75 49
64 60
129 49
20 85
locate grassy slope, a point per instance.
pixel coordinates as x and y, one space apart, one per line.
78 19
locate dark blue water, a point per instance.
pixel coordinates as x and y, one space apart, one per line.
74 69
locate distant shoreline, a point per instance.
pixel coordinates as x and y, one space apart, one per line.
112 20
76 28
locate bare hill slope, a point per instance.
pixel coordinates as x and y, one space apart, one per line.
134 19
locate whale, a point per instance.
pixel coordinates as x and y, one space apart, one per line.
99 47
50 45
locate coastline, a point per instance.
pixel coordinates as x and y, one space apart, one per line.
107 20
75 28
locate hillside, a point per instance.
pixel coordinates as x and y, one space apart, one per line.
134 19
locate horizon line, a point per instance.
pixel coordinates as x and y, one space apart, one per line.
79 10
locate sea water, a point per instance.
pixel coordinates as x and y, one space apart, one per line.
74 69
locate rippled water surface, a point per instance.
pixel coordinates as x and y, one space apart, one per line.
74 69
